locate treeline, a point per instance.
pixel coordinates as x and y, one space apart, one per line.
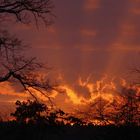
34 112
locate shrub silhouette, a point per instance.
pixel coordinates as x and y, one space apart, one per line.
29 111
38 113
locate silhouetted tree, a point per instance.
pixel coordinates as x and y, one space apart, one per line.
29 111
101 111
14 66
38 113
124 109
26 10
128 111
98 110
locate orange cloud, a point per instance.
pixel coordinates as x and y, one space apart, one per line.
6 89
70 98
74 97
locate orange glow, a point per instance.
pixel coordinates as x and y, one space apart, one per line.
6 89
72 95
101 89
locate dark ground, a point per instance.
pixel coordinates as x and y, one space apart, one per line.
14 131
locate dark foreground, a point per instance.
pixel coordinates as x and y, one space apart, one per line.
14 131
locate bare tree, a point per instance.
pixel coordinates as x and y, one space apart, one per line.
128 110
26 10
14 66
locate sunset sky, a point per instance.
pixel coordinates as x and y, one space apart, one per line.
88 40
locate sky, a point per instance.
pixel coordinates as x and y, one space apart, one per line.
88 39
